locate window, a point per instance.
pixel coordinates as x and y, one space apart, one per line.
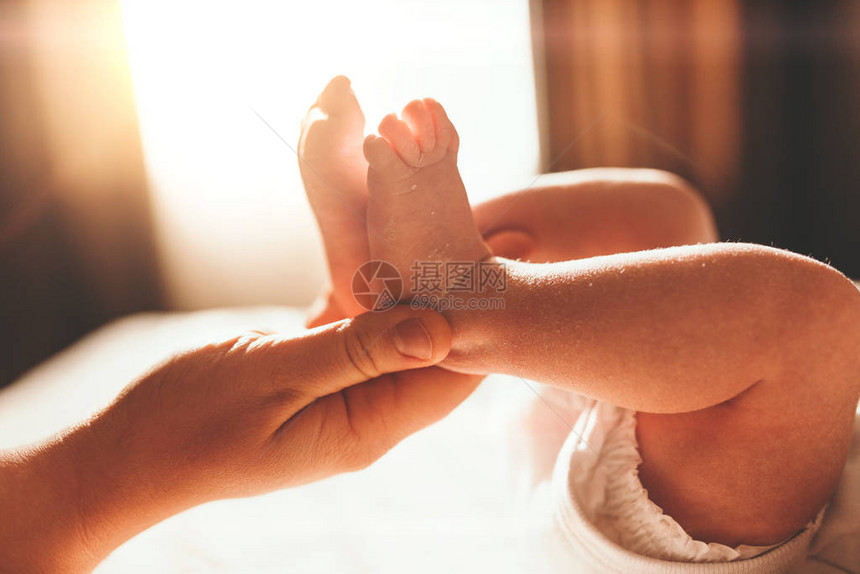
232 222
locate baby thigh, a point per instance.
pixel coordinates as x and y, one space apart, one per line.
591 212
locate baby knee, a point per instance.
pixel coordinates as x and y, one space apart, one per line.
687 203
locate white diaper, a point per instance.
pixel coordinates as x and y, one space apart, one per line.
594 515
607 484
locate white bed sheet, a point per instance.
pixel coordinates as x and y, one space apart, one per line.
441 501
438 502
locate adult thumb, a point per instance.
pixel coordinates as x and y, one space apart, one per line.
330 358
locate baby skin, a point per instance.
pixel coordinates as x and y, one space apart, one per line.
741 360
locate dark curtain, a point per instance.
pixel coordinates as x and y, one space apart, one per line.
756 103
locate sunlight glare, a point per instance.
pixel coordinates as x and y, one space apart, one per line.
233 224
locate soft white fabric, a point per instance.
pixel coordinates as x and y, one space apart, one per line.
615 501
590 512
439 502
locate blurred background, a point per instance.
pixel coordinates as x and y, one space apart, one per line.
135 174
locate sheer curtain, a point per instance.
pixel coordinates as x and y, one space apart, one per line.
651 83
754 101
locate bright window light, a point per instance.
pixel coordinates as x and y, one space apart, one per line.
232 222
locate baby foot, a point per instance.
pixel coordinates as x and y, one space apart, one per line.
334 173
416 200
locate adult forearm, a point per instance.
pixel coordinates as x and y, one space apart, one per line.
67 503
210 424
42 530
665 331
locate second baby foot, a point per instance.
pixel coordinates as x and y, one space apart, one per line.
416 198
334 173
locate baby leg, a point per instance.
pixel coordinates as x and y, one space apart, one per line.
741 360
575 215
746 356
591 212
334 174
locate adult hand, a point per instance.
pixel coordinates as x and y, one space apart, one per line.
238 418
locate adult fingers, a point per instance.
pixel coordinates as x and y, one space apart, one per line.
378 414
332 357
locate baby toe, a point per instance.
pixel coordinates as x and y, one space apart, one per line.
382 158
446 134
337 96
418 117
401 139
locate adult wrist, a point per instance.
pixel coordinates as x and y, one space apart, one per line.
117 496
70 501
42 529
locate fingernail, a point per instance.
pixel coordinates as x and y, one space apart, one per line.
412 339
